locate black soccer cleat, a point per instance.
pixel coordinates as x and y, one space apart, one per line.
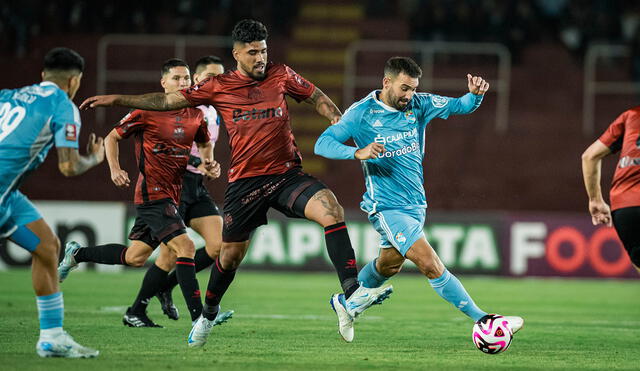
138 320
166 302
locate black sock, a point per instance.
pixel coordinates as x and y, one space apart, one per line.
151 283
111 253
186 273
202 260
219 282
342 256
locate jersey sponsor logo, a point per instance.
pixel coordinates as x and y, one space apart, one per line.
256 114
395 137
376 111
627 161
400 152
377 124
71 132
178 132
439 102
163 149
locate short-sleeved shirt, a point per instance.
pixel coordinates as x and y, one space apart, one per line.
32 119
256 116
163 142
624 135
394 180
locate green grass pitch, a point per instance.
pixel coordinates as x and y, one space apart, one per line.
283 321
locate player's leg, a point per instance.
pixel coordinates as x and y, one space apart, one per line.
379 270
626 221
185 251
29 231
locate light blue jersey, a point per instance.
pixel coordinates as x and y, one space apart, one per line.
32 119
395 179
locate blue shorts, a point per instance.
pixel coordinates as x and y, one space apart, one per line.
399 228
16 210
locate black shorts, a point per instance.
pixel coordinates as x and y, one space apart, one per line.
627 224
247 201
195 201
157 221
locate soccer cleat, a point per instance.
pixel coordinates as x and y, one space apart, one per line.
138 320
223 317
68 263
345 321
63 346
364 297
166 302
200 332
515 322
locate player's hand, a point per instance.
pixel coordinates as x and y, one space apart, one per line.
210 169
370 151
120 178
600 213
98 101
95 147
335 119
477 85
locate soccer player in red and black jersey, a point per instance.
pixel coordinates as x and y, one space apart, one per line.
265 170
163 144
623 135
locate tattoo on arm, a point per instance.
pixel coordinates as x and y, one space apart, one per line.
324 105
155 101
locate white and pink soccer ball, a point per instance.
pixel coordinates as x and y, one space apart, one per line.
493 335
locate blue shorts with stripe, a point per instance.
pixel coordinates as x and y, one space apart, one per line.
16 210
399 228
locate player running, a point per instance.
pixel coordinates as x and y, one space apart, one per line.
163 144
266 170
623 135
198 211
388 128
32 119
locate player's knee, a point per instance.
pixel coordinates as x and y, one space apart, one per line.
135 259
186 249
430 268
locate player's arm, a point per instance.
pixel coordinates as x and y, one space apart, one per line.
331 145
119 177
209 167
149 102
469 102
591 170
324 105
72 163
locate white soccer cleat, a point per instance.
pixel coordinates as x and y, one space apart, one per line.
68 263
63 346
200 332
515 323
363 298
223 317
345 321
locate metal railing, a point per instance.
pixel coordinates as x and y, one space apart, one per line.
428 52
593 87
179 43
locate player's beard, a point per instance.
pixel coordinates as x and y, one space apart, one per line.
396 102
259 76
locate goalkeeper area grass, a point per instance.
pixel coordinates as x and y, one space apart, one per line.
283 321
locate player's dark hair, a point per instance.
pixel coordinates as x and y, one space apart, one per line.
203 62
63 59
396 65
170 63
249 30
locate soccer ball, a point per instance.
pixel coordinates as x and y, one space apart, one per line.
493 335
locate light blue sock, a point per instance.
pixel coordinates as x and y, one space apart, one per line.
451 290
50 311
369 276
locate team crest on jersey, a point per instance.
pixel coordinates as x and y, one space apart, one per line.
178 132
410 116
400 237
71 132
439 102
255 93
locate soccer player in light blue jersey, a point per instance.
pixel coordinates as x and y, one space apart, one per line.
388 128
32 120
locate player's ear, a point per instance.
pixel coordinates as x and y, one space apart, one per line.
386 81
